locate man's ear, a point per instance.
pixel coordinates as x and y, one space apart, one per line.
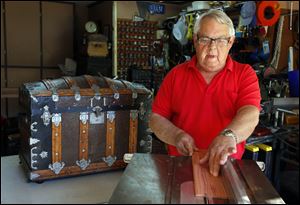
232 39
195 39
231 42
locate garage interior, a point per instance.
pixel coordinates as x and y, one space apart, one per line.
134 41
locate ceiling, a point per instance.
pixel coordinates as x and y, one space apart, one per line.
173 2
87 3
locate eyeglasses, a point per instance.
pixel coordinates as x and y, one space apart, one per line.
223 41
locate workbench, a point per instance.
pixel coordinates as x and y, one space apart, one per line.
95 188
155 178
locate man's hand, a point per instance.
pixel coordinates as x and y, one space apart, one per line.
218 152
185 144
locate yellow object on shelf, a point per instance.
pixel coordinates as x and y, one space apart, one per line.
252 148
265 147
97 48
291 119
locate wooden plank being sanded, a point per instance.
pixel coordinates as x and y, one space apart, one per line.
205 184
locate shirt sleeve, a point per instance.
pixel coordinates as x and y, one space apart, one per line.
249 92
162 101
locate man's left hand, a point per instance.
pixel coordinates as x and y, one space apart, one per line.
218 152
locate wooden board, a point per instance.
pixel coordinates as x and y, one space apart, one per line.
22 33
58 22
2 38
205 184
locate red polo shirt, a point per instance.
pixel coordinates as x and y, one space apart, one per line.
203 110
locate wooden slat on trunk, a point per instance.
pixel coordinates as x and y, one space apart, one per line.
110 135
133 131
56 143
84 141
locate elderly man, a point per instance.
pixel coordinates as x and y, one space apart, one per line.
210 102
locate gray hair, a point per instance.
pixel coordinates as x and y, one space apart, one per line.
219 16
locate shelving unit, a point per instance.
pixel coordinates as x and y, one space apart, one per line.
135 50
134 44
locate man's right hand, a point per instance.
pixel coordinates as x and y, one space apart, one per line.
185 144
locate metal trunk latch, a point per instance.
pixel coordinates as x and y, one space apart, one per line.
97 110
56 119
46 116
76 90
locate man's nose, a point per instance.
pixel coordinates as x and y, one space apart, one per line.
212 43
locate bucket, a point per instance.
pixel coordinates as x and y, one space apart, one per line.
294 83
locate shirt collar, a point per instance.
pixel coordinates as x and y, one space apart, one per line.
228 66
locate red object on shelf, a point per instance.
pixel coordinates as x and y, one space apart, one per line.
262 7
261 131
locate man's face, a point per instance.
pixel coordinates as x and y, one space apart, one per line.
211 55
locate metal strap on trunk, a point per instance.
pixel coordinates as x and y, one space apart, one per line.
50 86
73 85
93 83
83 141
47 84
91 80
104 79
70 82
133 90
113 87
56 165
123 83
110 138
133 131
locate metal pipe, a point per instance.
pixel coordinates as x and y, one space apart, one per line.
276 118
291 15
287 111
282 119
115 38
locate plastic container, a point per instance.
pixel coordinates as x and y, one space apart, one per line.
294 83
198 5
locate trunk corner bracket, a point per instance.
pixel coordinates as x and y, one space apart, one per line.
83 164
110 160
56 167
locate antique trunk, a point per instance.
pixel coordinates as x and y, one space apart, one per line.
79 125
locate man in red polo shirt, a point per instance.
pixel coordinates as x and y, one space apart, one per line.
210 102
